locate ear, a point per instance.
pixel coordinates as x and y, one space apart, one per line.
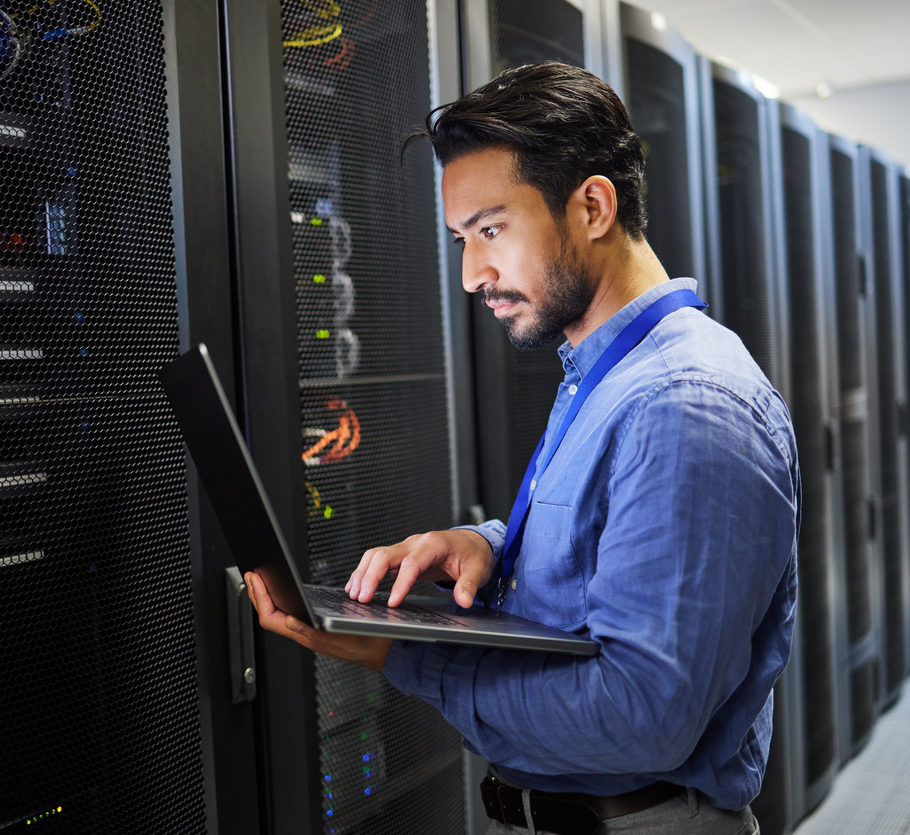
594 203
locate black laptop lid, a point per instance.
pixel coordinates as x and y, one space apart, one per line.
231 482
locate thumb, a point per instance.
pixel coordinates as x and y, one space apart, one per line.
465 589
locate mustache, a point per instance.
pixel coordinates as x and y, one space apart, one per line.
503 296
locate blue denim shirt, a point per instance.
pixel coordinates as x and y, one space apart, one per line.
665 528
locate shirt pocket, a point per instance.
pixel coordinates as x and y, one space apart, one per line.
550 587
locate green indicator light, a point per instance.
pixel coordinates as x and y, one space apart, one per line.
328 512
322 334
316 221
370 697
364 735
319 279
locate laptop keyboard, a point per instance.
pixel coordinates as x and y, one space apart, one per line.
338 602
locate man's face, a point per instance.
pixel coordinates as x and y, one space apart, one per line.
515 252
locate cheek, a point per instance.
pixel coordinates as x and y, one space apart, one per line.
525 269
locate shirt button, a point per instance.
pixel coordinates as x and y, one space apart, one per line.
514 582
533 483
573 388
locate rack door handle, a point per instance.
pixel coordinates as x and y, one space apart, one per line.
240 637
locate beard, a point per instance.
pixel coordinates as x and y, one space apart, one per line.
568 290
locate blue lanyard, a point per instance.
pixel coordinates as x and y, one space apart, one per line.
627 339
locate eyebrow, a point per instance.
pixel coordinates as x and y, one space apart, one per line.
478 216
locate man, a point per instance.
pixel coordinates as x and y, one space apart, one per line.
662 517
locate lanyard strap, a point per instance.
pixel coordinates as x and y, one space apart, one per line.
627 339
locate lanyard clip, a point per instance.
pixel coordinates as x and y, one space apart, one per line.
501 588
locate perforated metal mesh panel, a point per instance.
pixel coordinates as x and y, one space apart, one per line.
744 269
530 31
849 323
375 432
894 656
657 105
808 410
904 209
863 704
524 33
854 449
98 712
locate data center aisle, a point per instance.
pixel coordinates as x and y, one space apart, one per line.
871 795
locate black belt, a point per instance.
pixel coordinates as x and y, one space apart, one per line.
568 813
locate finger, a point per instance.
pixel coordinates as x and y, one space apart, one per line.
259 594
249 589
474 575
465 592
377 569
352 586
301 629
408 573
270 617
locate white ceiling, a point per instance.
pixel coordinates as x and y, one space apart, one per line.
799 44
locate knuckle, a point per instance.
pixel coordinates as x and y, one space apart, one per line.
432 540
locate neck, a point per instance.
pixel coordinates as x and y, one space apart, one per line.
627 268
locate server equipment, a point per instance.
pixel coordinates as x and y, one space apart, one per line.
342 332
902 260
661 84
100 719
880 231
858 652
748 295
813 406
515 390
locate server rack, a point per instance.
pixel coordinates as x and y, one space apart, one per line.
901 258
344 354
231 727
813 406
901 326
858 657
661 80
879 209
741 136
515 390
100 699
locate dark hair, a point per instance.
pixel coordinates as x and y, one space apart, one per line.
564 125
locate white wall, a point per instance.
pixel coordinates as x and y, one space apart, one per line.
877 115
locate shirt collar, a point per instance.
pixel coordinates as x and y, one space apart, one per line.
581 358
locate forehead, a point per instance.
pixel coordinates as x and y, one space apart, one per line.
483 179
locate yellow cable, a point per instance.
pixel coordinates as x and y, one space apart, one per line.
330 9
94 23
314 36
88 28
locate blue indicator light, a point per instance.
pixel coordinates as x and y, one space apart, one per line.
366 792
330 813
328 778
83 352
366 758
78 316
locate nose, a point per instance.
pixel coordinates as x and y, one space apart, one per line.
476 271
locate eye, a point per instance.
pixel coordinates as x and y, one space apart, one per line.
458 242
490 232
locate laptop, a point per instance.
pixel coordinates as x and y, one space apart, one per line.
252 532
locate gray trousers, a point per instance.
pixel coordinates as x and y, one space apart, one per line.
689 813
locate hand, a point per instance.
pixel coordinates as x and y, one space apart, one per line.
359 649
461 555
